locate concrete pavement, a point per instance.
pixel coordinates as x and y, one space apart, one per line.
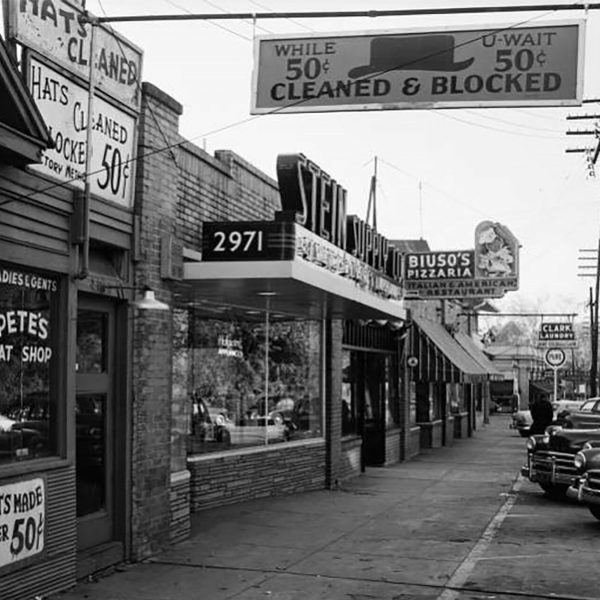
411 530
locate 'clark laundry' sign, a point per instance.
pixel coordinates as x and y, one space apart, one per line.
500 66
488 271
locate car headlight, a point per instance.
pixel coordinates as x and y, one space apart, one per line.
530 444
579 461
220 420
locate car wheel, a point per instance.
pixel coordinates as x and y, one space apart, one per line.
595 510
554 491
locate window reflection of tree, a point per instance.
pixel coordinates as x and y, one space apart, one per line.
237 383
91 328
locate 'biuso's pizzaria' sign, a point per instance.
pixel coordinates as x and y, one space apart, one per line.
540 64
488 271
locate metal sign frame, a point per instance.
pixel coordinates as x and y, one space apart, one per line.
387 66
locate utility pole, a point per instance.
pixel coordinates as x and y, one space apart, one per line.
592 154
373 197
594 293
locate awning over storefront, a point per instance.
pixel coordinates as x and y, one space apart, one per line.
292 288
453 352
471 348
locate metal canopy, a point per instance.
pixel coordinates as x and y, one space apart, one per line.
442 339
295 289
477 355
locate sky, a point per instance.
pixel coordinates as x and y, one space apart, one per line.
440 172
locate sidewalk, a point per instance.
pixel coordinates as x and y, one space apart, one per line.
394 532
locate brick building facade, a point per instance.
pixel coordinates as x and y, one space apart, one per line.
140 404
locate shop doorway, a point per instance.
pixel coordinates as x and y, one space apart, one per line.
374 402
99 433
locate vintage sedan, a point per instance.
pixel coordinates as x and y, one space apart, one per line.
585 487
550 457
521 420
587 416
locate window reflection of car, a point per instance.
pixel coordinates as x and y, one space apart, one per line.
24 431
585 486
18 441
550 457
213 424
209 423
89 432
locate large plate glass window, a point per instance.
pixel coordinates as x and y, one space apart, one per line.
28 364
226 364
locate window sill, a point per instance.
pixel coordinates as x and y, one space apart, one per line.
35 465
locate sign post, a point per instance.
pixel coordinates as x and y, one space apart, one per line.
555 358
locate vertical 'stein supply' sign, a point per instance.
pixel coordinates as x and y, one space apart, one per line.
503 66
55 29
556 335
64 104
488 271
22 520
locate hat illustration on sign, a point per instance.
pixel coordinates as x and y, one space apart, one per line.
412 53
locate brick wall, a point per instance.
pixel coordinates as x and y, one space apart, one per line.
412 445
157 181
333 400
393 451
227 478
220 188
350 459
180 506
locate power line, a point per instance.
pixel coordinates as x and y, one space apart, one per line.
94 21
356 13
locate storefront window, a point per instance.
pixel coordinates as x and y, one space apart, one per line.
455 399
369 390
412 403
392 400
28 330
229 363
349 399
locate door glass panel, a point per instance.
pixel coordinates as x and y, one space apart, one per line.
90 418
91 341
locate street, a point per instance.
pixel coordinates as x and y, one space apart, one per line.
455 523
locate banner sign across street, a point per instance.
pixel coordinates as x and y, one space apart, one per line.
434 68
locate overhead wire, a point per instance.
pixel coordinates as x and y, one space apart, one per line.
214 23
170 146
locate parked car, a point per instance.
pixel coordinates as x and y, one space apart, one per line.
213 424
521 421
587 416
564 407
550 457
585 487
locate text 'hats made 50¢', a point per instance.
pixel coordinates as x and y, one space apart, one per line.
433 52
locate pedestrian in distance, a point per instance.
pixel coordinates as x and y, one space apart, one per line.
542 415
